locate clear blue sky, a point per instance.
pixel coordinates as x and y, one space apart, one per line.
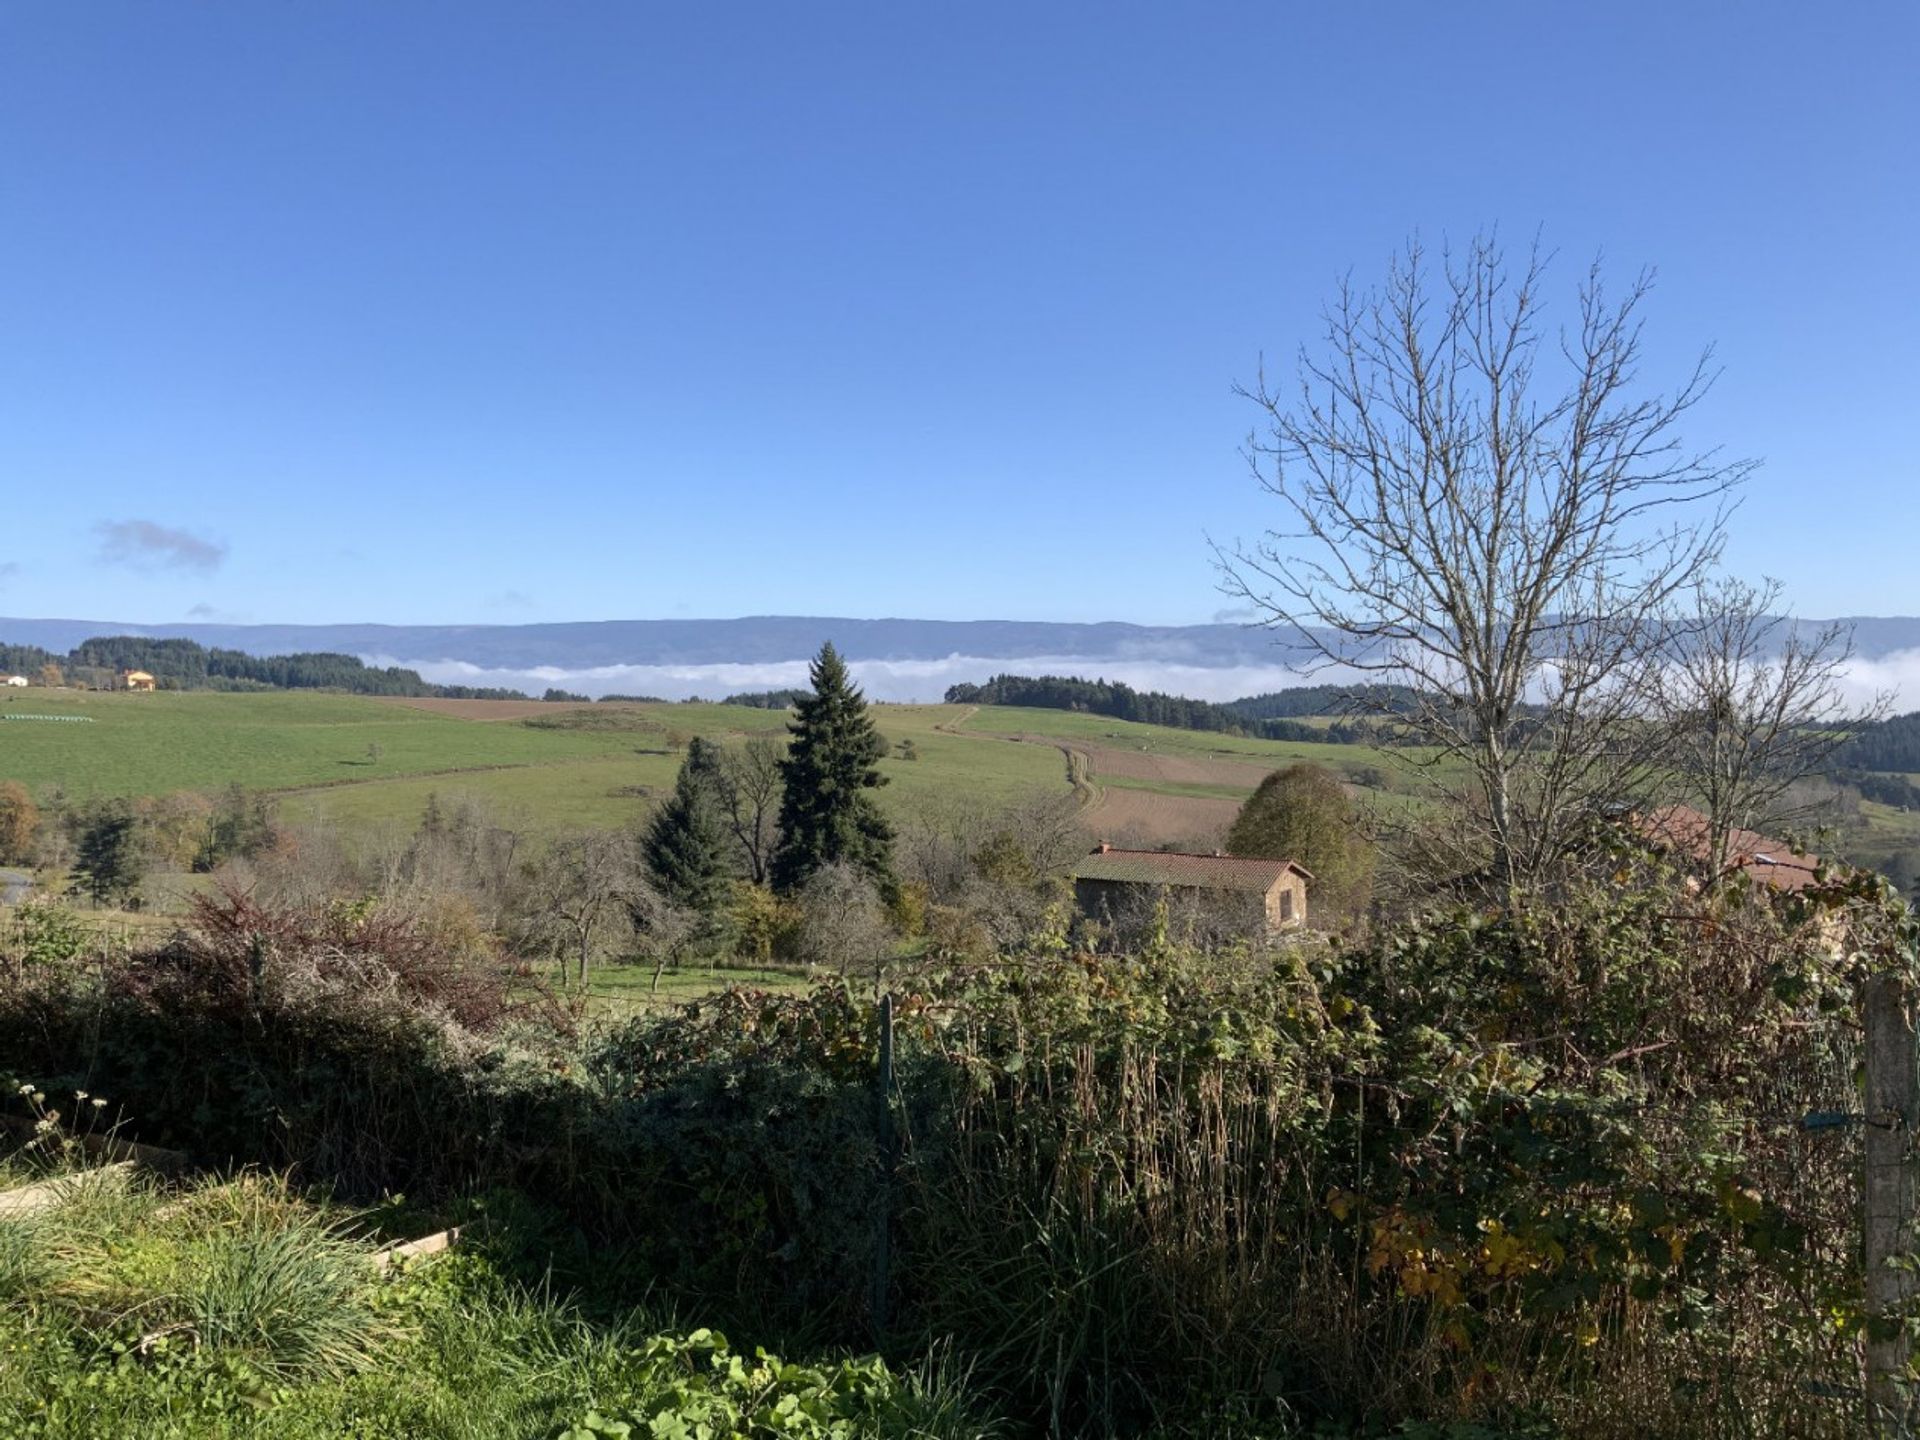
476 312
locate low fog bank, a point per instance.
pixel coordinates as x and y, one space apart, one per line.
926 681
1896 674
922 681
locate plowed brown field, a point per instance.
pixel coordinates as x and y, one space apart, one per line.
1144 820
1125 764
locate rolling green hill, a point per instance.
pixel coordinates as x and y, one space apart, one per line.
364 761
370 764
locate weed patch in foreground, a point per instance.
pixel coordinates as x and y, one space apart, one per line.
239 1309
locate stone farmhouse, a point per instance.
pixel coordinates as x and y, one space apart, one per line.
1269 894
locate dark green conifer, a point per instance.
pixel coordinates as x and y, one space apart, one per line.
107 864
827 815
687 847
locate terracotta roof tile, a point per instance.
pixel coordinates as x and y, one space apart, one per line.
1682 830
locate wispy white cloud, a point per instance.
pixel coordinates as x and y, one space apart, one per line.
205 611
147 545
1237 615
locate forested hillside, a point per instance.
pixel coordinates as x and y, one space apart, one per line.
186 665
1893 745
1323 700
1152 707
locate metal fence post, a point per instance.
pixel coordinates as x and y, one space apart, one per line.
883 1132
1892 1106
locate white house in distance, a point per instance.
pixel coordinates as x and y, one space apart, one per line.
18 682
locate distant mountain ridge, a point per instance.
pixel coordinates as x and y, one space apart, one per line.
749 640
894 659
763 639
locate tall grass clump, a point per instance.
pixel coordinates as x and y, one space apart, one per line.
239 1268
24 1264
292 1292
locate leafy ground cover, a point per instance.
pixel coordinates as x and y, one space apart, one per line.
242 1309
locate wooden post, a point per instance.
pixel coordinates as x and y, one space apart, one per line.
1892 1106
883 1130
256 969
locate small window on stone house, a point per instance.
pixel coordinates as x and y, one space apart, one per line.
1286 904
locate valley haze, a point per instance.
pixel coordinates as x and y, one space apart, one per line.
893 659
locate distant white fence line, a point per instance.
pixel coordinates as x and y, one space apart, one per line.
68 719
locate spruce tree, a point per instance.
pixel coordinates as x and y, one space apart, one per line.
687 847
108 863
827 815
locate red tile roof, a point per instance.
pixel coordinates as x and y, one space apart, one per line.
1682 830
1200 872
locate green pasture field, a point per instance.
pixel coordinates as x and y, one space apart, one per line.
200 740
1885 831
618 991
621 785
575 767
1392 773
1075 725
369 766
1199 790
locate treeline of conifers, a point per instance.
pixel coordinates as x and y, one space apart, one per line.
1890 747
188 665
1274 716
1893 744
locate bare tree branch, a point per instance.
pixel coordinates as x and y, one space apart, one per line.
1750 704
1504 542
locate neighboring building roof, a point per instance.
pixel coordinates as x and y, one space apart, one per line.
1201 872
1682 830
138 675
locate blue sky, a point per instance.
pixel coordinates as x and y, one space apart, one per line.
472 312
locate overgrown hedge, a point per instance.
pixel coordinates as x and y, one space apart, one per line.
1515 1167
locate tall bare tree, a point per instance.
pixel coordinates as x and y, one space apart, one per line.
1751 704
1494 513
752 774
579 896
